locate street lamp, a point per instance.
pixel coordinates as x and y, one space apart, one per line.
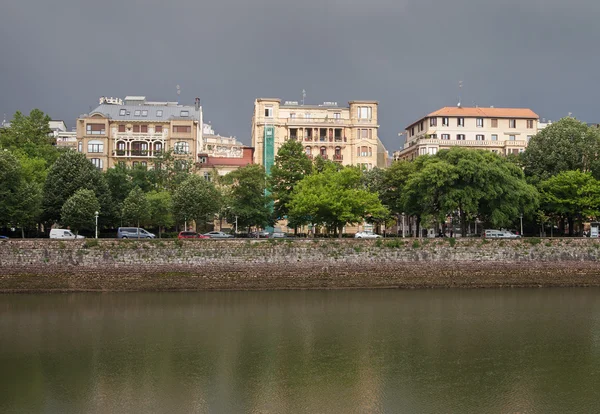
521 217
96 214
403 215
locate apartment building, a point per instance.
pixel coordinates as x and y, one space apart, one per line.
348 135
500 130
134 131
221 155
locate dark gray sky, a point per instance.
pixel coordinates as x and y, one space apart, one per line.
62 55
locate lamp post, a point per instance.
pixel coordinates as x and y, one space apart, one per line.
236 225
403 215
521 224
96 214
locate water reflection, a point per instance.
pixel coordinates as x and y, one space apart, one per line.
311 352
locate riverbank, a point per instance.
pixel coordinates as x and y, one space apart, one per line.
160 265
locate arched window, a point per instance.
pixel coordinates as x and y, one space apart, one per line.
181 147
307 150
95 146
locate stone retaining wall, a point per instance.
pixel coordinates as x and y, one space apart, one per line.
124 265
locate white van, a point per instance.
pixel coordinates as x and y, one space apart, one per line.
63 234
500 234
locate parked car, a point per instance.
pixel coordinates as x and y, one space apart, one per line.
3 237
366 235
277 235
500 234
261 234
64 234
218 235
134 233
191 235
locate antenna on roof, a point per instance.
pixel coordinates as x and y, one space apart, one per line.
178 92
460 85
303 96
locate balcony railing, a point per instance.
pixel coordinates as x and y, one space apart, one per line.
325 139
141 135
295 121
338 157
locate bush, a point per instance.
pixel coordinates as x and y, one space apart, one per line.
416 244
394 244
533 240
91 243
452 241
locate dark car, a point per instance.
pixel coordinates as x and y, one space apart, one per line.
191 235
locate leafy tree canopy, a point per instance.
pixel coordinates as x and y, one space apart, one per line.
79 211
136 208
196 199
571 194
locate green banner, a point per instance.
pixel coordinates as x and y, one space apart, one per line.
269 148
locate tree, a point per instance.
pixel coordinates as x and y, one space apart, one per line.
566 145
119 185
195 199
30 135
78 212
571 195
161 209
20 198
72 171
247 197
136 208
291 165
170 170
335 198
472 184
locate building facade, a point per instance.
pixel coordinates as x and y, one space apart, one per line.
500 130
134 131
348 135
221 155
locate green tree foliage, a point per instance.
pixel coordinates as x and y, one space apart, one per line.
170 171
30 136
20 198
79 211
571 195
566 145
119 184
72 171
247 198
196 199
291 165
334 198
471 183
136 208
161 210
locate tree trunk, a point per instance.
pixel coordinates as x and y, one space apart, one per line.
463 224
570 221
340 231
418 226
22 232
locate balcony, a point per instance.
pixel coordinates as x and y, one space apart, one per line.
468 143
141 136
300 121
338 157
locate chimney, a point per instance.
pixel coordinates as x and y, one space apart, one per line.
197 104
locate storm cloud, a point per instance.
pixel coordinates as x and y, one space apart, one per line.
60 56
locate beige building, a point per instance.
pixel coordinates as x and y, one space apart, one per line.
348 135
134 131
500 130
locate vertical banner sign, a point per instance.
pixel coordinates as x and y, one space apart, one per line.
269 148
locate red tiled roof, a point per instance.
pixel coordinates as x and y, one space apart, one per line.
482 112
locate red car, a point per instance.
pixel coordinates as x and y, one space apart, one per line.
191 235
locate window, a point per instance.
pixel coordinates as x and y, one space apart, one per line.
460 122
144 128
307 150
182 128
494 123
460 137
433 136
121 128
365 133
530 123
445 136
207 176
184 114
122 112
412 131
423 151
144 112
95 146
292 115
120 146
158 147
136 112
181 147
98 163
432 150
80 146
307 116
479 137
364 151
512 123
511 137
364 112
268 111
95 129
337 115
159 113
136 128
422 126
158 129
432 121
480 122
529 138
445 121
494 137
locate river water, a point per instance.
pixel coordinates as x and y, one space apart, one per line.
367 351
